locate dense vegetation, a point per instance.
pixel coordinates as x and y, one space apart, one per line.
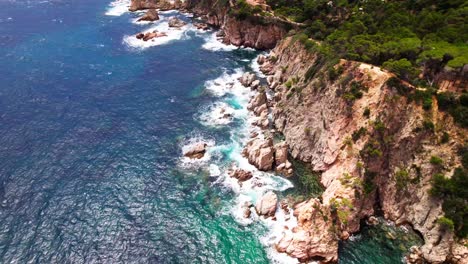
406 37
455 195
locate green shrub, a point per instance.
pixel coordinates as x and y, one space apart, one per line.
402 179
428 125
366 112
435 160
403 68
358 133
445 138
446 223
454 193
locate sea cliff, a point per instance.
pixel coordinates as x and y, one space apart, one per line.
352 122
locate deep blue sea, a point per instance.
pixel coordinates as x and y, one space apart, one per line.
92 126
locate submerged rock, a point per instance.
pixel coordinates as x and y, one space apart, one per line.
150 15
266 205
196 151
246 209
175 22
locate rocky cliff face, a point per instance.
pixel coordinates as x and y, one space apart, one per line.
255 31
372 146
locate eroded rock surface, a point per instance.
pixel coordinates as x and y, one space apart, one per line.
266 205
195 151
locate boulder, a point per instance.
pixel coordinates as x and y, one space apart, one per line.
150 35
175 22
258 100
247 79
372 221
140 35
195 151
281 153
260 153
261 59
246 209
240 174
266 205
150 15
255 84
201 26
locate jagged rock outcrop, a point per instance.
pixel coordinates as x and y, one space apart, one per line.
240 174
259 151
256 31
361 144
175 22
266 205
136 5
251 33
150 35
150 15
309 240
195 151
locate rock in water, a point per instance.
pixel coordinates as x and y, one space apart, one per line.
246 209
150 15
201 26
260 153
247 79
266 205
150 35
175 22
140 35
240 174
196 151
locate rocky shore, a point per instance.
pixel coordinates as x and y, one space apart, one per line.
371 145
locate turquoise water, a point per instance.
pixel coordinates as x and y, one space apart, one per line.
91 134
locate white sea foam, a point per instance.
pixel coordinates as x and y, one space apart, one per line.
162 26
118 8
227 83
214 44
214 170
256 67
188 143
217 114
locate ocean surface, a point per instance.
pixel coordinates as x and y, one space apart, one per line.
92 127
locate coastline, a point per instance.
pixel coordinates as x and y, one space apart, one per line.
276 80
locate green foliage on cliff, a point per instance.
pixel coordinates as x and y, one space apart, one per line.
456 106
454 193
403 36
243 10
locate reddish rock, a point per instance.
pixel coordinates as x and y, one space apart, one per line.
240 174
266 205
196 151
150 15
